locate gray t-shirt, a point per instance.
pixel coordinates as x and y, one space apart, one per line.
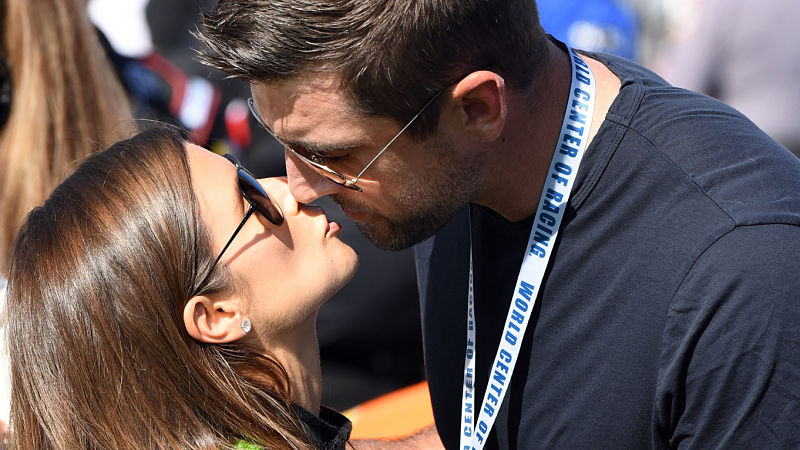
669 316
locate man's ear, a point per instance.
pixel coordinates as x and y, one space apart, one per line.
481 101
214 322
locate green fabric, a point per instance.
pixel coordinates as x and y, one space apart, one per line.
247 445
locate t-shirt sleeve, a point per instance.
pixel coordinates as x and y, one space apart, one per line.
730 361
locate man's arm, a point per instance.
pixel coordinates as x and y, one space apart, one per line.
730 371
427 438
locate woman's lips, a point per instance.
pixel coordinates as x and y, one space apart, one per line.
333 229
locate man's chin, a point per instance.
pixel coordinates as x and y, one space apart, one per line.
375 227
396 236
385 237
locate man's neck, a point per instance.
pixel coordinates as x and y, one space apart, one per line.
521 157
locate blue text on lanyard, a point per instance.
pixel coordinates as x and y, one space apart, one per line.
567 157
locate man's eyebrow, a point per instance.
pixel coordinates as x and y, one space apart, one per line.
319 148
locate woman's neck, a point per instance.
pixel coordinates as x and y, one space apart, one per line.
297 350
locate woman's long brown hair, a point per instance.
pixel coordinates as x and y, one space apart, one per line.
67 103
100 357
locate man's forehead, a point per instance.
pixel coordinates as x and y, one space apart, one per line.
313 87
304 106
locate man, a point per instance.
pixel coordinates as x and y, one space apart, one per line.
662 312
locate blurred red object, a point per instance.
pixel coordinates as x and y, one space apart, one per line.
237 124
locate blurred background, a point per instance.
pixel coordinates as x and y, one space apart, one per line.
369 333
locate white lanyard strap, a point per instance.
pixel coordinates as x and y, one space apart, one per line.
567 156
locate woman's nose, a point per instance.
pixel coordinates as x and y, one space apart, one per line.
278 189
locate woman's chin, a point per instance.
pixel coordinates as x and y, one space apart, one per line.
346 264
349 269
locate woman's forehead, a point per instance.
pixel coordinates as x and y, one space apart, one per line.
211 174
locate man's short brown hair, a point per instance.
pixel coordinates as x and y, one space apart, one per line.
391 55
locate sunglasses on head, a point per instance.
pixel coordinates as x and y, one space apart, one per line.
259 200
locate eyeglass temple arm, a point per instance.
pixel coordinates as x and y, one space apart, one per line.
421 111
233 236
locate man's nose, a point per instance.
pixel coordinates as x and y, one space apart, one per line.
305 184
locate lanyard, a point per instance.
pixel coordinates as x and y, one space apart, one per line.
567 157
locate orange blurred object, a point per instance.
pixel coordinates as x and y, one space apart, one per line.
394 415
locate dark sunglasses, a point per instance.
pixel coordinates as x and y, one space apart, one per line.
259 200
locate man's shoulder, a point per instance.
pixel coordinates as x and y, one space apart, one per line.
754 265
730 343
711 145
650 105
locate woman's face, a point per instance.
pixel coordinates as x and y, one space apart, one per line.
287 271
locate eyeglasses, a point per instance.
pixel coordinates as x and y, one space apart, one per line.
313 160
259 200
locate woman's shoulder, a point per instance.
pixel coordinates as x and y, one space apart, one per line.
329 430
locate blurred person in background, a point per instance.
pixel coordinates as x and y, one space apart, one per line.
59 102
157 87
742 53
651 17
64 102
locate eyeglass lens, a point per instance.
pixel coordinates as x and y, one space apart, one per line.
310 159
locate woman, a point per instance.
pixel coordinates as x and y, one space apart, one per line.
126 333
62 102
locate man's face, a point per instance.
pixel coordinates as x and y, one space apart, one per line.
408 193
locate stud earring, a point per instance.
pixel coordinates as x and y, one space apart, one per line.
246 325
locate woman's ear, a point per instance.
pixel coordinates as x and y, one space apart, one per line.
481 102
214 322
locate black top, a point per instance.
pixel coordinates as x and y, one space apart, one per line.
669 316
329 431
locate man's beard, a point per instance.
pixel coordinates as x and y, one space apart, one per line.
405 231
424 205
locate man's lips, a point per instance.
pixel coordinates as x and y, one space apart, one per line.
355 214
353 210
